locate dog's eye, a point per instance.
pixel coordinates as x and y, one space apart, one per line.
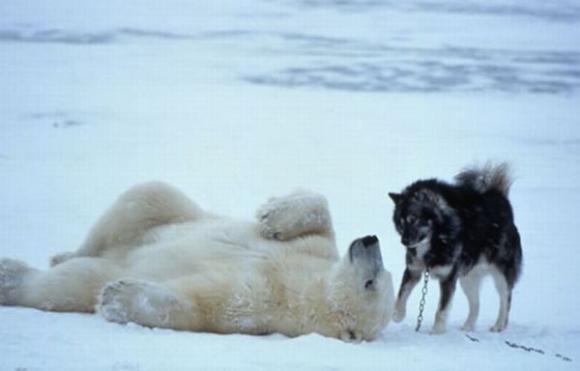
369 284
411 219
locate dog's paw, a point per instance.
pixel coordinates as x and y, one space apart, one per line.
399 315
438 329
61 258
467 327
498 327
12 272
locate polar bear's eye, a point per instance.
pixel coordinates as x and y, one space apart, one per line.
369 284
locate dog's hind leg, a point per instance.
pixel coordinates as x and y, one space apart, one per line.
127 221
505 297
471 284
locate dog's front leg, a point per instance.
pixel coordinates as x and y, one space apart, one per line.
447 288
408 282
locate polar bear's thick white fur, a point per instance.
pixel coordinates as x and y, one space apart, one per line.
157 259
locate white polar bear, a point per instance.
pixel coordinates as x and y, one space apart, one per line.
157 259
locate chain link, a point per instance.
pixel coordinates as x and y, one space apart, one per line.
422 302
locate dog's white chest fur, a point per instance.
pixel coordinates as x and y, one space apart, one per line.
441 271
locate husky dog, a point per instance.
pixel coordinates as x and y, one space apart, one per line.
157 259
459 231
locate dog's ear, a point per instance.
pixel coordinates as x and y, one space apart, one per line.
396 197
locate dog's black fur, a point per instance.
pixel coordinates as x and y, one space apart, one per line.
455 227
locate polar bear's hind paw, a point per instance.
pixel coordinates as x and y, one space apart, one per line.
12 273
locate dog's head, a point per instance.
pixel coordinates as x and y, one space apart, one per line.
420 215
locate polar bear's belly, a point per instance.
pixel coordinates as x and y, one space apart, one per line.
176 251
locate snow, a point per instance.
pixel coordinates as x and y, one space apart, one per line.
236 102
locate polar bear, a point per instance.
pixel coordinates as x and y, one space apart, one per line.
157 259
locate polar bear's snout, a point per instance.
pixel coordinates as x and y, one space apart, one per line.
369 240
367 250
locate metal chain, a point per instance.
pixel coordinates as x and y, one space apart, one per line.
535 350
422 302
525 348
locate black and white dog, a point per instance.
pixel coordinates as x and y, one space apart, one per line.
460 231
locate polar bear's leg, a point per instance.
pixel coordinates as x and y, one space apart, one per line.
69 287
300 213
145 303
139 209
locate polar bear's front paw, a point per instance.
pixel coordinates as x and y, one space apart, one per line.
302 212
12 272
269 223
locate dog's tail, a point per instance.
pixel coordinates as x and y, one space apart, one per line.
488 177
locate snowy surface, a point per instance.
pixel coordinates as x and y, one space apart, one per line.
236 101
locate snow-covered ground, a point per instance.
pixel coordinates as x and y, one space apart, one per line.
237 101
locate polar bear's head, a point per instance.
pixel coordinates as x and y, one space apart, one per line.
360 292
